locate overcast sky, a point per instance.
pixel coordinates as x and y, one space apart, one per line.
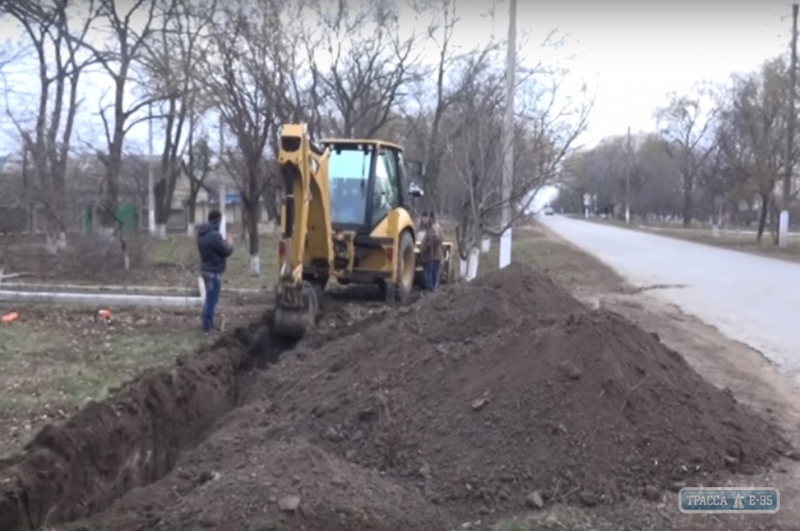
634 52
640 51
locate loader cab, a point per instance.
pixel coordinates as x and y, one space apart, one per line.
367 181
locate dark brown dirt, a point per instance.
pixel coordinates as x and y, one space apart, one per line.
71 470
454 408
484 393
238 478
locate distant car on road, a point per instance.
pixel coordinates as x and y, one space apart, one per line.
548 211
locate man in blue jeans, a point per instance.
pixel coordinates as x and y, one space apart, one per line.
214 252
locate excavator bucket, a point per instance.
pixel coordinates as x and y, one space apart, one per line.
295 311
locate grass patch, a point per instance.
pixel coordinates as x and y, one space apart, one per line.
565 264
176 262
55 359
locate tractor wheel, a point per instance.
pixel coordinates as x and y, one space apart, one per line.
406 272
406 267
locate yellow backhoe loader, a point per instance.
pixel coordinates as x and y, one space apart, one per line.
346 215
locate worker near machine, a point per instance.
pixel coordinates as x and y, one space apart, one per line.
214 252
432 249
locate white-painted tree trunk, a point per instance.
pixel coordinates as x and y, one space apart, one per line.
50 245
55 244
505 249
190 229
462 271
783 229
255 265
486 245
161 231
472 263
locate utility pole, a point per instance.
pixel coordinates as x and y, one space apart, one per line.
223 226
628 180
151 193
783 226
508 137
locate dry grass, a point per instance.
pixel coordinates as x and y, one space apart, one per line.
567 265
55 359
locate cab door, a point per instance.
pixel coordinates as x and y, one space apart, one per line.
386 191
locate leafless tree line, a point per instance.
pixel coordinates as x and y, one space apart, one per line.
251 65
719 154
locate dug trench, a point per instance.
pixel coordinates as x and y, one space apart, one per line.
476 402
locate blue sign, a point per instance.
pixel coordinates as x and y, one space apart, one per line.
722 500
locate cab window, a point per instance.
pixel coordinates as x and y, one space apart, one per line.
349 170
386 193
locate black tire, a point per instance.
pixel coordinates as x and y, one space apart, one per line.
444 272
419 279
406 267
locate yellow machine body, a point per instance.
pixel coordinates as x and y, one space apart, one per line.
346 215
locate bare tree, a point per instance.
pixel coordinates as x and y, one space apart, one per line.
196 166
11 52
545 132
241 84
687 122
754 125
370 65
129 32
60 65
436 97
170 59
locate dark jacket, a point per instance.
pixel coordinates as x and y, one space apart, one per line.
213 249
433 243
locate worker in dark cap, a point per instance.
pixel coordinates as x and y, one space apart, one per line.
214 252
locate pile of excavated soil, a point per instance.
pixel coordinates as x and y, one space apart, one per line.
484 393
249 476
458 407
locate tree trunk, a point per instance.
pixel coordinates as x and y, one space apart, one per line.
762 218
108 213
472 262
252 230
191 213
687 200
775 220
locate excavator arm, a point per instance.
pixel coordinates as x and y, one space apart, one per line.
307 231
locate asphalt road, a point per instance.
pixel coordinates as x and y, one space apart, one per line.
749 298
